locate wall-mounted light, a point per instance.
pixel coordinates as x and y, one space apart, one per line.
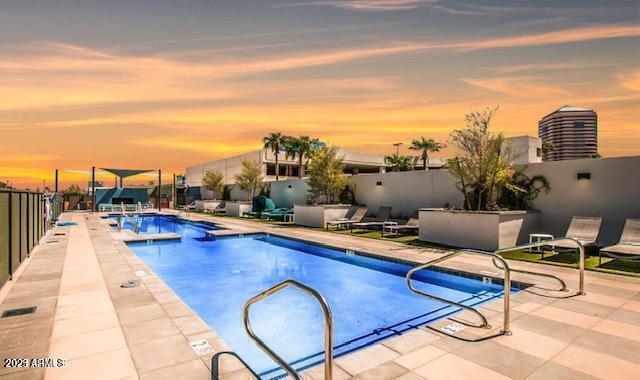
379 183
584 176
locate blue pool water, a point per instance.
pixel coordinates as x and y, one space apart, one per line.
155 224
369 298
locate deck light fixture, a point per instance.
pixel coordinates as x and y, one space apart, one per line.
584 176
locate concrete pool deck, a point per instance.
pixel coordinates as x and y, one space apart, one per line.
105 331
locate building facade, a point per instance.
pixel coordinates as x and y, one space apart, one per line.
573 132
527 149
355 162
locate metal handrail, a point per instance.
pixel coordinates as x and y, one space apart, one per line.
328 327
215 364
580 248
507 290
184 211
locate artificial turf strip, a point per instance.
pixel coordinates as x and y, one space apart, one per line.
609 265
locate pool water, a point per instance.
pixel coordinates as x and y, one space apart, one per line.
369 298
155 224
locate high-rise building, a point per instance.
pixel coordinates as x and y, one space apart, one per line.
573 132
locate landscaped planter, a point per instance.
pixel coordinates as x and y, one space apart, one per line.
318 215
485 230
236 208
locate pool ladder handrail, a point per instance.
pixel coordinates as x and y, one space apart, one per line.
215 364
495 258
563 286
328 327
184 211
484 323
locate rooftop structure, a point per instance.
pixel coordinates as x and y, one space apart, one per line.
528 149
573 132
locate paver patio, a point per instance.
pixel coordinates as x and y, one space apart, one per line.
109 332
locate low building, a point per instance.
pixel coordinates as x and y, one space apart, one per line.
355 162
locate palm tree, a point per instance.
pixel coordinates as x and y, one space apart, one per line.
300 148
426 146
274 141
399 162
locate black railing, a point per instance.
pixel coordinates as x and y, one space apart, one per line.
22 224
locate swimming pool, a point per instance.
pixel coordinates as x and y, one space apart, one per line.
155 224
369 298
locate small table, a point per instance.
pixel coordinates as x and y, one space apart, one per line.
536 238
390 229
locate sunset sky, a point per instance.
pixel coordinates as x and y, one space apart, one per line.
167 84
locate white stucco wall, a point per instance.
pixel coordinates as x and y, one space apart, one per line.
407 192
613 193
285 196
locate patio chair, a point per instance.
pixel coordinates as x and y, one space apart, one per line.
628 248
583 228
357 216
394 229
190 206
378 221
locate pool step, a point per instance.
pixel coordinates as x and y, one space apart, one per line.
128 236
232 232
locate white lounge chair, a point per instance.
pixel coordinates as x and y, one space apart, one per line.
583 228
394 229
357 216
628 248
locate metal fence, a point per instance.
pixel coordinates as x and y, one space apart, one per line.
22 224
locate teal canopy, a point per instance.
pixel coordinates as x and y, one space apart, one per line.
124 173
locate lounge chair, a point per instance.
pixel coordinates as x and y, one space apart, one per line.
356 216
394 229
190 206
220 208
378 221
628 248
583 228
277 214
260 204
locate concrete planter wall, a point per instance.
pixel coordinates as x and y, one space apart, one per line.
318 215
206 204
236 208
485 230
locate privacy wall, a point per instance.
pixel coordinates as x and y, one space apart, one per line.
21 227
612 192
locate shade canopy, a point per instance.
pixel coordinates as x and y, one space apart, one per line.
124 173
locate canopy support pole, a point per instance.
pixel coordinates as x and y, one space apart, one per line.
93 189
159 190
